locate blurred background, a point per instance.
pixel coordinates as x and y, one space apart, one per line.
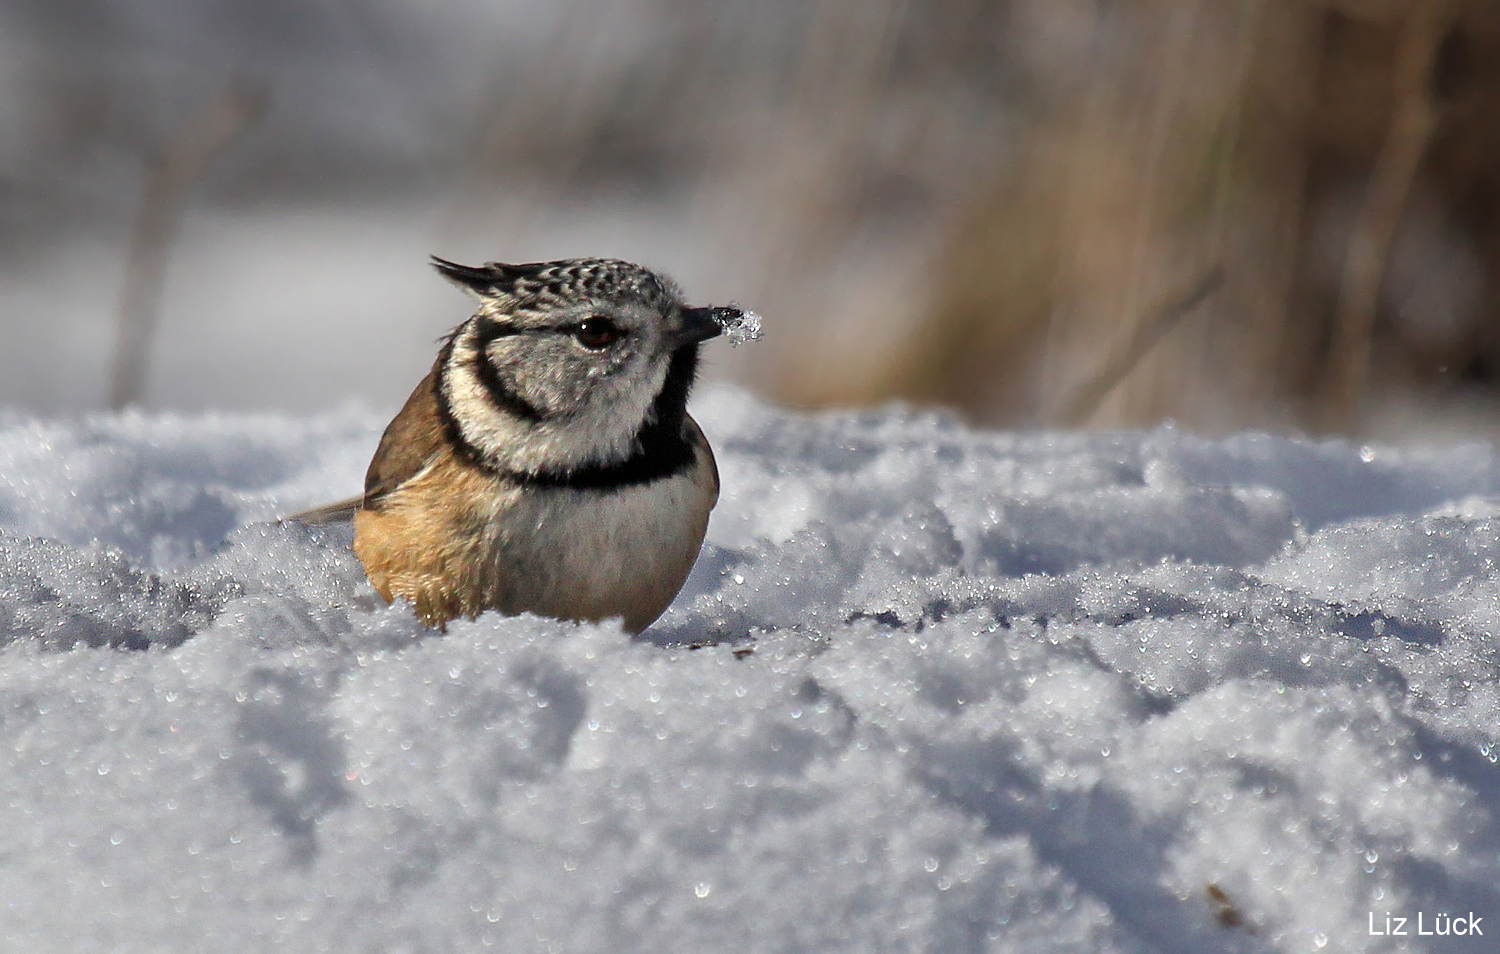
1075 213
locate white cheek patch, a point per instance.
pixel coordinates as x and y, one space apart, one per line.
600 426
487 427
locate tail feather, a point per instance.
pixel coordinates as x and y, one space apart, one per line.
328 513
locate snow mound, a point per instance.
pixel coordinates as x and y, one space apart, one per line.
926 690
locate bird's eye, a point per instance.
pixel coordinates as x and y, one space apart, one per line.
596 333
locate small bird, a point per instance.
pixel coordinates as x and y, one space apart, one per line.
547 463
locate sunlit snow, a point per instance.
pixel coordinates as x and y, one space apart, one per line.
927 690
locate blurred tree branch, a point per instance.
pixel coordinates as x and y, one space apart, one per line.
171 174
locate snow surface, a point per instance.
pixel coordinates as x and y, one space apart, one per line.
955 692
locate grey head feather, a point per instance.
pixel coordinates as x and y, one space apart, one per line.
526 394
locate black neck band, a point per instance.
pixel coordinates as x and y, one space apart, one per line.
662 447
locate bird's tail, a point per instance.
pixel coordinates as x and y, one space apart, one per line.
328 513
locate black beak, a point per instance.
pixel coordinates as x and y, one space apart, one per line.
698 324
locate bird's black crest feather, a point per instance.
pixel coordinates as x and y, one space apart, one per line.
478 279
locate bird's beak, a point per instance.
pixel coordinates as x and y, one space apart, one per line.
698 324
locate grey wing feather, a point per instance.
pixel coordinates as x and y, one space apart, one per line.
696 438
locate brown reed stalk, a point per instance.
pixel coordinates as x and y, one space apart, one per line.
1414 119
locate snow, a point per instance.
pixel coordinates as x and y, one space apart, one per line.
740 323
927 690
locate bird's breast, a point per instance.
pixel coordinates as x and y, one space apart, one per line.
457 541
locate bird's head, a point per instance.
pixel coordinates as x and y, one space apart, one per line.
565 363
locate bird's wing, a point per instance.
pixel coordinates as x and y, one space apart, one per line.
409 443
699 442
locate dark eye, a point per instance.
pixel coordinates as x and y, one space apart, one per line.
596 334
